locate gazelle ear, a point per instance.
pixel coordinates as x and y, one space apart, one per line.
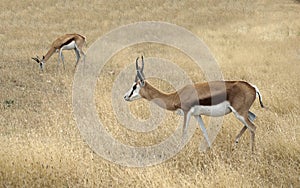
35 59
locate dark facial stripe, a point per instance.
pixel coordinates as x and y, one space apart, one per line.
133 88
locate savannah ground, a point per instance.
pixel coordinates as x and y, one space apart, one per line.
40 144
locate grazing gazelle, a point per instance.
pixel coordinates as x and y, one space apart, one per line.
66 42
215 98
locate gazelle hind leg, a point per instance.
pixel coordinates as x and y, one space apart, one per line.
251 117
247 123
80 51
83 55
203 129
237 138
253 127
77 56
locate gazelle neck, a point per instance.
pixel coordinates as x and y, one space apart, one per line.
49 54
164 100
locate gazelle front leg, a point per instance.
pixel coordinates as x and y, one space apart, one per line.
62 57
186 120
58 59
203 129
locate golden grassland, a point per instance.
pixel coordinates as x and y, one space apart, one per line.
256 41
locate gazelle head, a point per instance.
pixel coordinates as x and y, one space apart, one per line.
139 82
39 61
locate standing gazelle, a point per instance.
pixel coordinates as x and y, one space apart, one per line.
66 42
216 98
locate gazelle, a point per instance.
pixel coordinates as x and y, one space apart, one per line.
215 98
66 42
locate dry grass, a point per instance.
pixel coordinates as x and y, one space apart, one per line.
257 41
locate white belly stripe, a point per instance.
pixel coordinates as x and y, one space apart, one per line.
220 109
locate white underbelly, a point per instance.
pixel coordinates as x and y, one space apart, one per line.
220 109
69 46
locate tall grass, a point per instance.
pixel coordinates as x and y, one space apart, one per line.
39 140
